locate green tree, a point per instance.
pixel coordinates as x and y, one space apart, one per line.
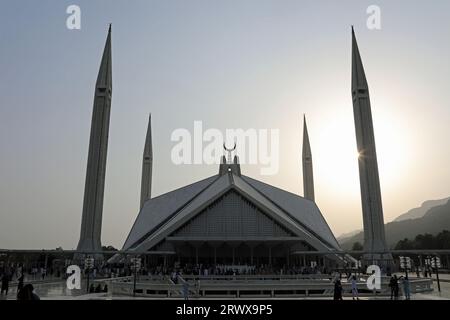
405 244
425 241
443 240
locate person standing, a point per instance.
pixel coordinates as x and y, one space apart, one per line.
6 278
392 286
337 290
355 293
186 290
396 288
407 288
20 284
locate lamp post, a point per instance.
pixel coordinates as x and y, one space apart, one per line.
436 264
420 264
358 267
405 264
136 266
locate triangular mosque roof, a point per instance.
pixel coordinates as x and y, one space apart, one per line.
163 215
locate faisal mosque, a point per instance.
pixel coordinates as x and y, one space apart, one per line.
230 218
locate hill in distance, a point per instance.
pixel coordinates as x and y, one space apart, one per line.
345 236
422 210
435 220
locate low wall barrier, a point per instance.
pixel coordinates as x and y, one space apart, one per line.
252 287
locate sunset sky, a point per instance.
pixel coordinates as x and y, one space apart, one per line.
230 64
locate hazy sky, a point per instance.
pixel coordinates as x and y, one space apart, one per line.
232 64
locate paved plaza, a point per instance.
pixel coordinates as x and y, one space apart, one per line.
53 289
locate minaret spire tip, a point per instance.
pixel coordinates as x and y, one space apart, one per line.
358 75
308 177
147 165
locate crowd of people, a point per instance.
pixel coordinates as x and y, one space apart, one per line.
229 270
338 288
394 285
24 291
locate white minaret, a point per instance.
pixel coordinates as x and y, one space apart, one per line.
374 234
91 225
147 164
308 176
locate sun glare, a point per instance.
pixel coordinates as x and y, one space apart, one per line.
336 156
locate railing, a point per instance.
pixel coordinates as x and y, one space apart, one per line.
254 286
259 277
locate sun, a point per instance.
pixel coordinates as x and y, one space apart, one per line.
336 156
